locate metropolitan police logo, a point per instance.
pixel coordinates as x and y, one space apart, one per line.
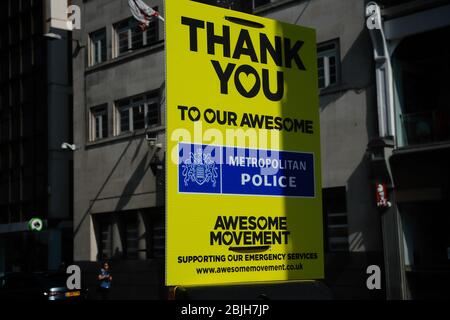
200 168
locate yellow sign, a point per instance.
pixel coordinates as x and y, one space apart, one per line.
243 148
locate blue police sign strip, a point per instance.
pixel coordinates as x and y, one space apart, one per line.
243 171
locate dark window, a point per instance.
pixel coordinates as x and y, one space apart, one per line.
137 35
4 10
335 219
421 66
106 247
15 7
98 46
152 32
4 126
138 113
4 158
26 25
155 233
328 63
130 235
141 235
152 114
158 237
26 4
99 123
124 32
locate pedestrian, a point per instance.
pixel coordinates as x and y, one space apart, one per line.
105 279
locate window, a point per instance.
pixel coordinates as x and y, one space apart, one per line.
158 238
126 32
106 245
98 47
328 63
335 219
99 123
421 70
137 113
4 157
130 235
130 229
129 35
152 32
5 126
154 233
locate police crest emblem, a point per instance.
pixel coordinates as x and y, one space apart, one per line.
200 168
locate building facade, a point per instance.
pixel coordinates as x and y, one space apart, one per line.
119 181
35 119
377 122
413 110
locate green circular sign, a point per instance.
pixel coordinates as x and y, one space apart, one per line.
35 224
